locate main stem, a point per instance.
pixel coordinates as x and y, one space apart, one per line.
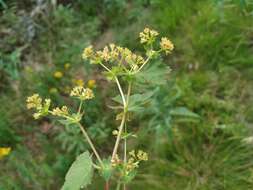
115 149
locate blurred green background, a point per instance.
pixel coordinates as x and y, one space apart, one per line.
198 125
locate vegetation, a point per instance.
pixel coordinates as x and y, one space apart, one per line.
195 122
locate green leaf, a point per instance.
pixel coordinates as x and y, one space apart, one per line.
183 112
79 174
154 75
136 101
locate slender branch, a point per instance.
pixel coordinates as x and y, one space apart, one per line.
125 140
121 92
106 68
118 186
145 62
90 143
117 81
115 149
80 106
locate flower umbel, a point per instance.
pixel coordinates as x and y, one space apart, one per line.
166 45
148 36
63 111
87 52
82 93
35 102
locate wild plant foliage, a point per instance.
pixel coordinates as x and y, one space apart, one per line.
122 67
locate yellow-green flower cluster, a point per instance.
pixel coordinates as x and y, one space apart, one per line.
133 162
135 159
140 155
166 45
35 102
148 36
112 53
63 111
82 93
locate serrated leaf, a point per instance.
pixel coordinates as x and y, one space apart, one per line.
154 75
135 98
79 174
184 112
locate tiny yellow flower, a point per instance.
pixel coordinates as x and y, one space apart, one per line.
132 153
4 151
34 101
148 36
91 83
166 45
66 66
142 155
87 52
53 90
78 82
58 74
60 111
82 93
115 132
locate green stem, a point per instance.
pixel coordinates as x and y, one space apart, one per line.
80 107
121 91
115 149
90 143
118 186
146 61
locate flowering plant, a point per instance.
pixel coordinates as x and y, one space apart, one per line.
120 66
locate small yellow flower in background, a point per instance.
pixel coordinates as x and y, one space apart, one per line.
60 111
28 69
82 93
148 35
91 83
166 45
4 151
87 52
66 66
78 82
58 74
53 90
